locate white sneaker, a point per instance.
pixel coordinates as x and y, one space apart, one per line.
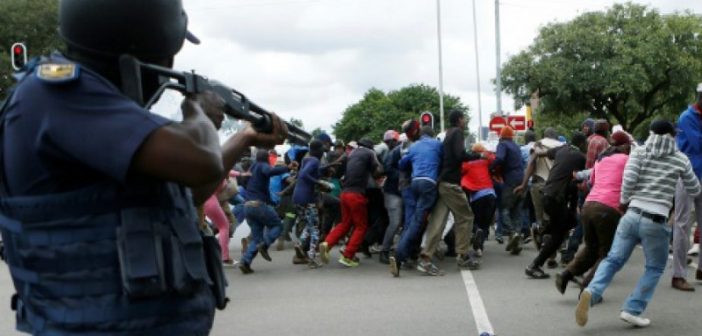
695 250
375 249
230 263
634 320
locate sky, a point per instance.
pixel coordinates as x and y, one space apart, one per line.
310 59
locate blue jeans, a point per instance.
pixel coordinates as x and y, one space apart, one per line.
260 218
424 192
654 238
393 203
510 210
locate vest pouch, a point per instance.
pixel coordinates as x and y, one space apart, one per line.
186 265
213 258
140 251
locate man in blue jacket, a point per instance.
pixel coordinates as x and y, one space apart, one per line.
260 214
509 159
425 158
689 141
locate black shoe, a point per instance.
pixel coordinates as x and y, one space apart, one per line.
562 279
384 257
469 261
535 272
551 264
300 258
513 245
366 252
245 268
516 250
478 240
499 239
394 267
263 250
527 239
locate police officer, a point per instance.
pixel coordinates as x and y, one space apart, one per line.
97 194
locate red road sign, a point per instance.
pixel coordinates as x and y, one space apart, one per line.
497 123
518 123
530 124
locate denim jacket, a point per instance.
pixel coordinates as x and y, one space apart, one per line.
425 158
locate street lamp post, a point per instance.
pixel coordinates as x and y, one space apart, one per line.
441 71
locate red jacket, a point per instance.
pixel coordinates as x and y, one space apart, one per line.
476 174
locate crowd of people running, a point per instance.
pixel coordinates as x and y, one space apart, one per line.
591 198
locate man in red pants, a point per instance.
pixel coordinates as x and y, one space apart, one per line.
354 211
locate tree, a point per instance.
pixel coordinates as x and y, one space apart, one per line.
316 132
35 23
628 65
378 112
297 122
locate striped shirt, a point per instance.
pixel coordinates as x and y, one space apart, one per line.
652 173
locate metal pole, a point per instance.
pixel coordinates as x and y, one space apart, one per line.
441 70
498 81
477 73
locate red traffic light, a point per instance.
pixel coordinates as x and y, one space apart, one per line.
426 119
19 56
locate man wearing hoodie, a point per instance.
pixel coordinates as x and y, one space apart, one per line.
650 177
689 140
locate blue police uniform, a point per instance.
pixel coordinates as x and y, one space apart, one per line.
93 250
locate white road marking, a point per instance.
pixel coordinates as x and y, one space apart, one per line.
482 322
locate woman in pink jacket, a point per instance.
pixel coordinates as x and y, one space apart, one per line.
600 213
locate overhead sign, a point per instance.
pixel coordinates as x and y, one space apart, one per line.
518 123
497 123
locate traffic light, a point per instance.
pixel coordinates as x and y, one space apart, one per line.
18 56
426 119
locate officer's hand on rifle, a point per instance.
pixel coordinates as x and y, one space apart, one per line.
210 103
267 140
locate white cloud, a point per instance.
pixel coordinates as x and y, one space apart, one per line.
310 59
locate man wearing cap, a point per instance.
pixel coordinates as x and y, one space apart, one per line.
391 193
650 177
508 157
451 198
390 138
102 236
689 141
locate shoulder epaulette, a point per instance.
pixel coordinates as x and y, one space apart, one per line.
58 73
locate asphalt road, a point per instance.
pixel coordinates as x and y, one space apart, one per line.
285 299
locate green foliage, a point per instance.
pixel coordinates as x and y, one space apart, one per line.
316 132
564 124
33 22
628 65
297 122
378 111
